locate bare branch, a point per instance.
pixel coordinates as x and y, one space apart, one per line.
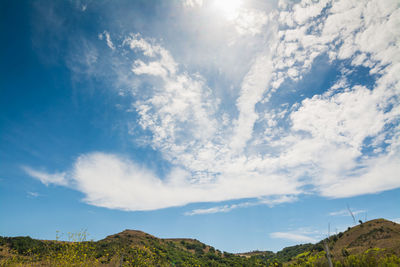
351 213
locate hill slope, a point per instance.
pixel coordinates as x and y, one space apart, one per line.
372 243
139 238
377 233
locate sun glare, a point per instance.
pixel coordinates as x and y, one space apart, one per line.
228 8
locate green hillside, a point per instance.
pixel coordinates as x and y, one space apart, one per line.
373 243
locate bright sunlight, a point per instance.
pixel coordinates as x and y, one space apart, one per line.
228 8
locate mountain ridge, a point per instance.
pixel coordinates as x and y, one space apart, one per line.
376 241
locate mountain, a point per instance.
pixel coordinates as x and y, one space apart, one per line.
139 238
378 233
372 243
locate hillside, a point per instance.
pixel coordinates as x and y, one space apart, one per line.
377 233
372 243
139 238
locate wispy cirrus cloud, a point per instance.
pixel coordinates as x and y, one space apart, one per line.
270 201
293 237
345 212
33 194
301 234
106 35
47 178
219 209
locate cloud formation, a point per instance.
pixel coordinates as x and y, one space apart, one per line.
46 178
341 141
219 209
107 37
345 212
270 201
293 237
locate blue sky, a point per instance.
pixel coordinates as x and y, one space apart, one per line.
245 124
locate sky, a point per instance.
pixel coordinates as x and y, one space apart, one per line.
248 125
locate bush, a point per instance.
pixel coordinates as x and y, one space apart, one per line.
198 250
345 253
25 245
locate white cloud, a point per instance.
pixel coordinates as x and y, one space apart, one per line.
84 61
114 182
293 237
254 85
340 143
396 220
33 194
163 64
270 201
192 3
250 21
380 174
307 10
339 122
109 42
46 178
218 209
345 212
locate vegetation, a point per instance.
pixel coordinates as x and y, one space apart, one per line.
376 243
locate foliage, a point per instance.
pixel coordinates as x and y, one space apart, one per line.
139 249
28 252
23 244
369 258
288 253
